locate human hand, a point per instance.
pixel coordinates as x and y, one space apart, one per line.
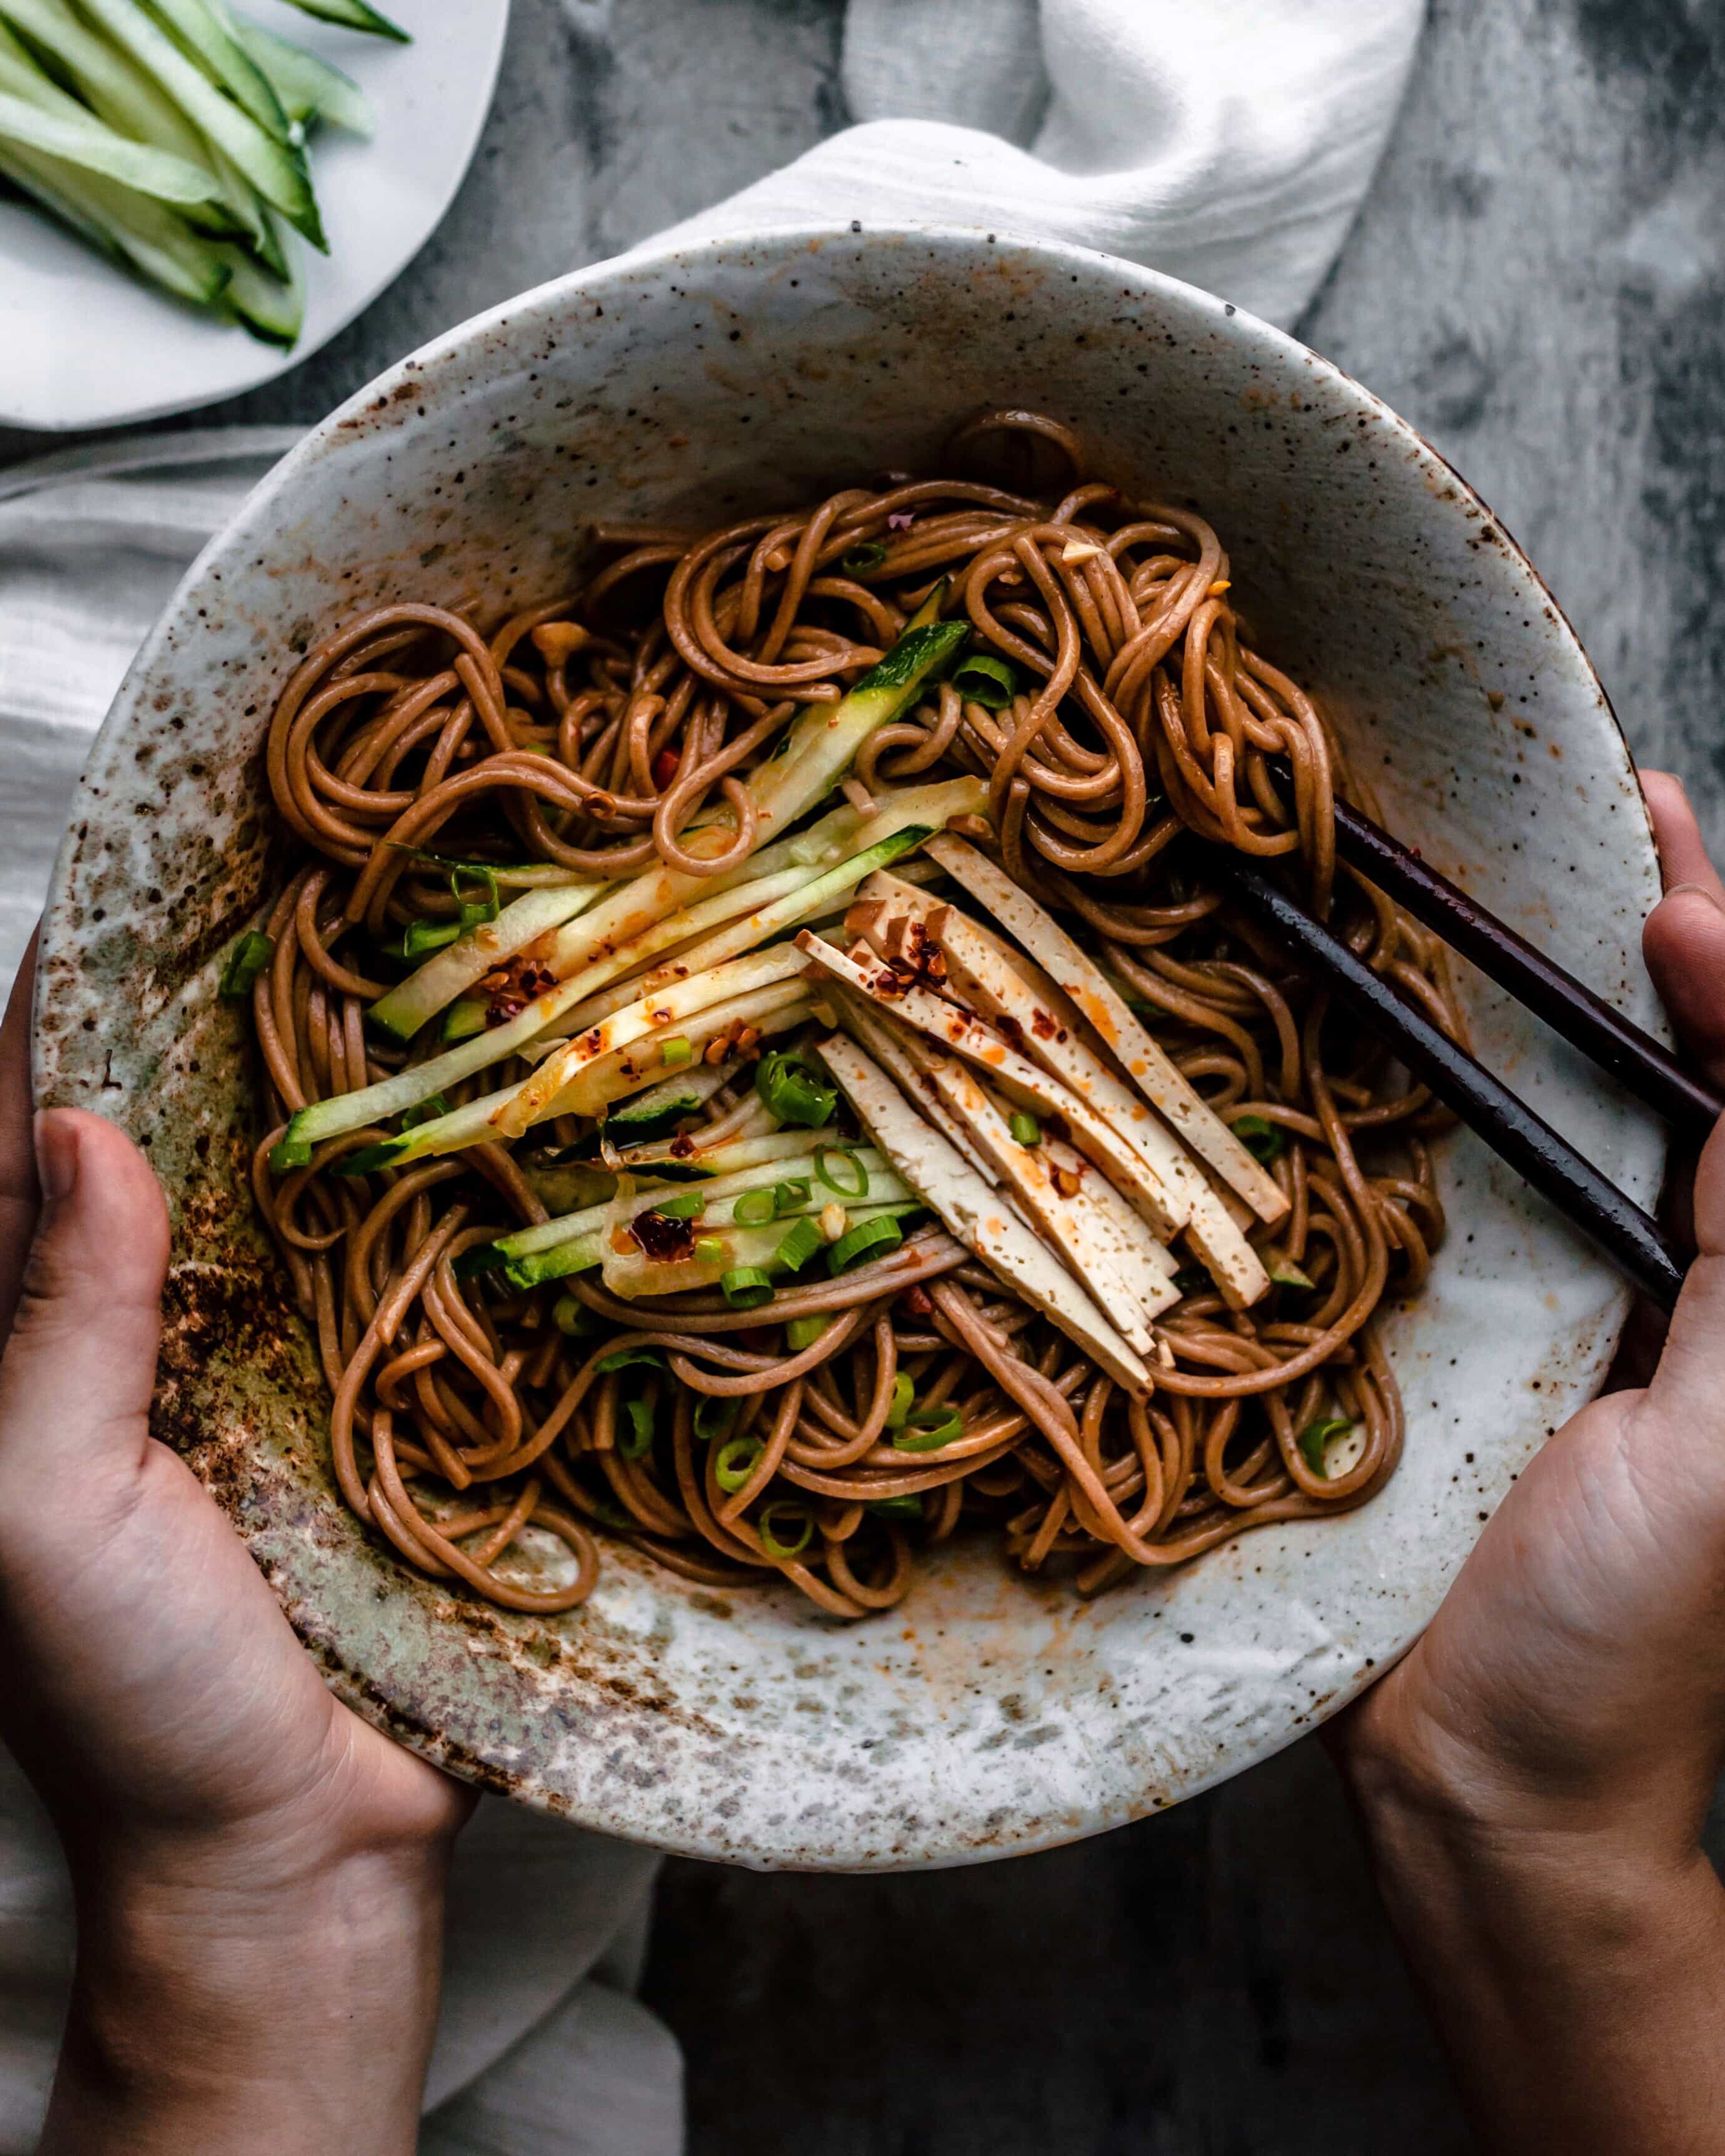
259 1873
1535 1774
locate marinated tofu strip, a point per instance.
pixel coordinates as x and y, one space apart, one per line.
1066 1223
1021 1081
1105 1008
975 1213
981 972
1169 1189
909 1062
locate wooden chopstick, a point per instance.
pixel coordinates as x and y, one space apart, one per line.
1585 1020
1630 1238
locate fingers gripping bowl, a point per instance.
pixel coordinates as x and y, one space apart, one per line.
987 1714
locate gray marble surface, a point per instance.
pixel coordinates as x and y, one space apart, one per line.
1538 282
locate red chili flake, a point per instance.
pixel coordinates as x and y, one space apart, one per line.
682 1145
1042 1025
665 767
915 1302
663 1240
1009 1025
512 986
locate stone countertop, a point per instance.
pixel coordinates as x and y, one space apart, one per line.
1537 281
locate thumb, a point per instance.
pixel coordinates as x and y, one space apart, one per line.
78 1372
1690 1380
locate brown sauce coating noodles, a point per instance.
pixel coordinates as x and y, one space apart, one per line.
478 1437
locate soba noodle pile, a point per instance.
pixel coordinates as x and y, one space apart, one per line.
470 1424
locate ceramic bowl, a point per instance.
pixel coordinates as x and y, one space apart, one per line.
988 1715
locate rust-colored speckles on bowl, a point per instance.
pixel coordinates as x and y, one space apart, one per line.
990 1715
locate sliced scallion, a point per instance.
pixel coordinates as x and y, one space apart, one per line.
798 1245
714 1415
709 1250
689 1207
745 1287
754 1208
573 1317
868 1238
789 1197
1261 1139
982 679
894 1508
903 1394
800 1332
635 1441
774 1540
790 1091
247 958
1314 1438
627 1359
1025 1129
676 1051
844 1184
926 1429
736 1460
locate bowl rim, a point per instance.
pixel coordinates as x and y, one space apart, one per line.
861 1849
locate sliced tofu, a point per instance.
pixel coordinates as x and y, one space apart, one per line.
976 1214
910 1063
1105 1008
1021 1080
1079 1235
1189 1202
1128 1232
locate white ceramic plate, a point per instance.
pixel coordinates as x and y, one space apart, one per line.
82 344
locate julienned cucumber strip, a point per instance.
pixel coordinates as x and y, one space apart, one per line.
406 1007
273 311
119 92
210 46
743 1246
662 1106
759 1175
153 238
309 88
353 15
374 1104
278 172
824 739
773 1009
718 957
76 138
41 190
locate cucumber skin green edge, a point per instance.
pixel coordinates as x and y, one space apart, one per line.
353 15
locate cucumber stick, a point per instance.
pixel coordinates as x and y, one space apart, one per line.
207 44
118 91
353 15
272 308
276 170
156 242
309 88
371 1104
448 972
29 123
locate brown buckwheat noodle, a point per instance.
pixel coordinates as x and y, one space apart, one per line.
476 1436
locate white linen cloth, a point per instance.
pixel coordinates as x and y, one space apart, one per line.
1228 143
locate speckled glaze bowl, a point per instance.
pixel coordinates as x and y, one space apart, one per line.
989 1715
